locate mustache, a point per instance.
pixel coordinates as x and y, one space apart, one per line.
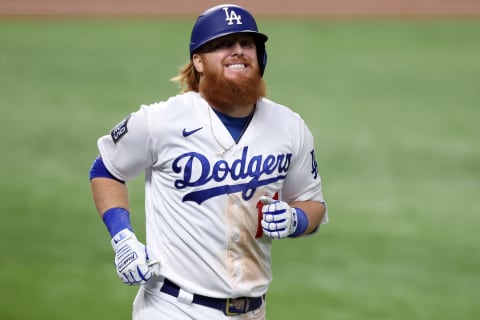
237 60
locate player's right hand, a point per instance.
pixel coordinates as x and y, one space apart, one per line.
279 219
131 258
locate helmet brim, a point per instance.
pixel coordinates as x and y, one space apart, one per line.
260 38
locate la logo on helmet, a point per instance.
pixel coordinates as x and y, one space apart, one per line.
232 16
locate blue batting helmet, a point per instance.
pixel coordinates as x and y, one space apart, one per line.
223 20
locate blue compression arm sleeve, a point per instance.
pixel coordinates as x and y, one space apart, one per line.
302 221
98 170
117 219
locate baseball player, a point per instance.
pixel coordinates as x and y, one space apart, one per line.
227 172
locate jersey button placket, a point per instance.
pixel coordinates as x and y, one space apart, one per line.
234 239
238 272
235 236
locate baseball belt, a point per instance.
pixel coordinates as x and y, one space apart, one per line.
230 306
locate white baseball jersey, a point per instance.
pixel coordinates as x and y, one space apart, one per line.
202 203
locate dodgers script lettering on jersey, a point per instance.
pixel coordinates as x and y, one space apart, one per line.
197 171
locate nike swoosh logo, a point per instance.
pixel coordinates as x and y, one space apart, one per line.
186 133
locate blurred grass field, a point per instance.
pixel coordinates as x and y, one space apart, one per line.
394 106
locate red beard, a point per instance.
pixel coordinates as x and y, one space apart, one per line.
222 92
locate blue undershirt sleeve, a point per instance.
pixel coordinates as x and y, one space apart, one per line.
98 170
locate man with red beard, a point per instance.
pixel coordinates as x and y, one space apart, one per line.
227 172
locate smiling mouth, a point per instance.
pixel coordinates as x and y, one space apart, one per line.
237 66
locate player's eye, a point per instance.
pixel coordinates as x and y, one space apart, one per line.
219 44
247 43
227 43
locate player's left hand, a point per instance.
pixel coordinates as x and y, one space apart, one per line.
279 219
131 259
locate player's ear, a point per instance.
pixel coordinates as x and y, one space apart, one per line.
197 62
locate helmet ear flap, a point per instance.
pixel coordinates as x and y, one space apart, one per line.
262 58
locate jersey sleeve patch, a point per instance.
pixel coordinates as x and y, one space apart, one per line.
119 130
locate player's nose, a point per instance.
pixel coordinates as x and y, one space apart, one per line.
237 48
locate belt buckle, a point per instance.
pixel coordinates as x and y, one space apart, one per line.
239 306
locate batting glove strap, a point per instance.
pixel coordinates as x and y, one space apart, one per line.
131 258
301 222
121 237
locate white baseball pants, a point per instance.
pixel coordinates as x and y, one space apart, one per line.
151 304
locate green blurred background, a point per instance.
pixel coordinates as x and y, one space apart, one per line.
394 107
